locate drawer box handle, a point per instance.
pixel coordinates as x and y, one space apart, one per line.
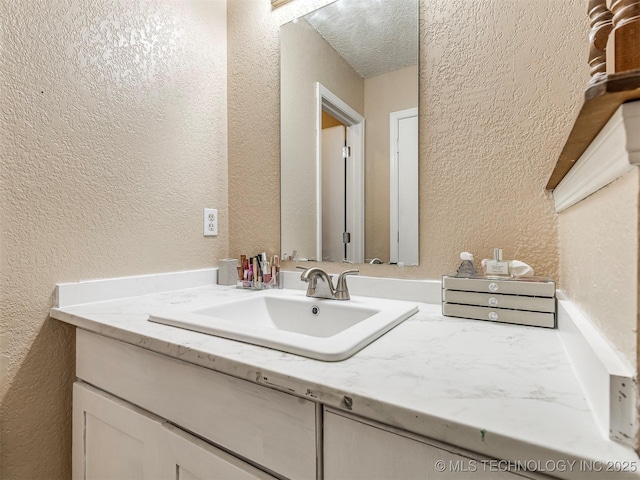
493 316
493 301
493 287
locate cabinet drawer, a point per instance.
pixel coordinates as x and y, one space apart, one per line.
536 319
517 302
358 449
543 288
270 428
115 440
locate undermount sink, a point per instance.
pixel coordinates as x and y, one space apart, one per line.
289 321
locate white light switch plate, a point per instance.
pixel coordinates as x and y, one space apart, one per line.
210 222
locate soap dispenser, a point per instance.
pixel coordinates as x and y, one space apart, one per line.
497 266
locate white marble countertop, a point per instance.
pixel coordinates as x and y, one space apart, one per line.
505 391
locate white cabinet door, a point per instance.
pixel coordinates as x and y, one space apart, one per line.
356 450
114 440
187 457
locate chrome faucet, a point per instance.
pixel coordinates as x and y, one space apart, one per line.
321 286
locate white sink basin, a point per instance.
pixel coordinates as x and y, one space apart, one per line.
288 320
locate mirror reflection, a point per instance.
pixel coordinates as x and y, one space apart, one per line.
349 133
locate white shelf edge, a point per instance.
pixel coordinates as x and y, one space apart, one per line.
614 151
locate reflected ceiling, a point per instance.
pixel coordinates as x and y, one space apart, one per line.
381 39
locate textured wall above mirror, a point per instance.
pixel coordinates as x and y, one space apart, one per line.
349 77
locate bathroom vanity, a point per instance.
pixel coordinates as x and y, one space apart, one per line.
170 406
435 397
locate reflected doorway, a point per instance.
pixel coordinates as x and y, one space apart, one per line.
340 186
334 190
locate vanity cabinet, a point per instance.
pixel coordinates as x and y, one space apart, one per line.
269 428
115 440
356 448
138 414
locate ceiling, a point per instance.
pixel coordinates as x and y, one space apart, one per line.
373 36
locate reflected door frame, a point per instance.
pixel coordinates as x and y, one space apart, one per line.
331 103
394 191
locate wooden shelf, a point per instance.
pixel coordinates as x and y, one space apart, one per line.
601 100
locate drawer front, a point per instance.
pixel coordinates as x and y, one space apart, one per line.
270 428
360 449
517 302
509 287
535 319
115 440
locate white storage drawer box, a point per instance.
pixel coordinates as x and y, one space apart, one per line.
525 301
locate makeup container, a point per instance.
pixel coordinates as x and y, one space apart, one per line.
258 272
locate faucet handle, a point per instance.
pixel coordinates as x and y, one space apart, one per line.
342 291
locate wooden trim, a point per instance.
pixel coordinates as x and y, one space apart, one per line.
623 47
602 99
601 22
277 3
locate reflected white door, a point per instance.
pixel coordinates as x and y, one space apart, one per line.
404 187
333 194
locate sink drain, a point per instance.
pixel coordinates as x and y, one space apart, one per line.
315 310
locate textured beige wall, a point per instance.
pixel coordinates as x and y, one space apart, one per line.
383 94
599 260
113 139
306 59
501 82
254 121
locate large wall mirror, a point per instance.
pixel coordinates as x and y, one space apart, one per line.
349 133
